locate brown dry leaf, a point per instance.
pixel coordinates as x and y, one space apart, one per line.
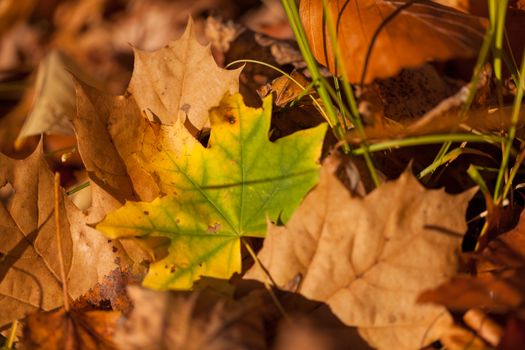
180 81
20 48
72 330
13 11
111 292
53 104
284 89
444 118
515 30
205 320
313 332
461 5
506 251
113 126
269 19
498 292
11 123
459 338
424 31
369 258
500 283
29 274
514 335
209 319
149 24
302 335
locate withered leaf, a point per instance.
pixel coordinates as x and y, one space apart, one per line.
420 32
461 5
514 335
444 118
205 320
499 285
506 251
181 81
459 338
285 89
71 330
369 258
498 292
114 127
29 273
53 104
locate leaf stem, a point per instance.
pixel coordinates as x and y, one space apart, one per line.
267 277
59 241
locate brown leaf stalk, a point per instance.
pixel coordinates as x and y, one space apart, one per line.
267 278
59 241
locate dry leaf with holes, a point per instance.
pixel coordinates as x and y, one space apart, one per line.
369 258
420 32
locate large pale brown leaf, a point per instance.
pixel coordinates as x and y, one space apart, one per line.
181 81
423 31
29 270
369 258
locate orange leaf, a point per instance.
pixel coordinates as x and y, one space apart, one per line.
73 330
420 32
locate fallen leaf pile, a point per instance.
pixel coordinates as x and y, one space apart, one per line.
206 204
